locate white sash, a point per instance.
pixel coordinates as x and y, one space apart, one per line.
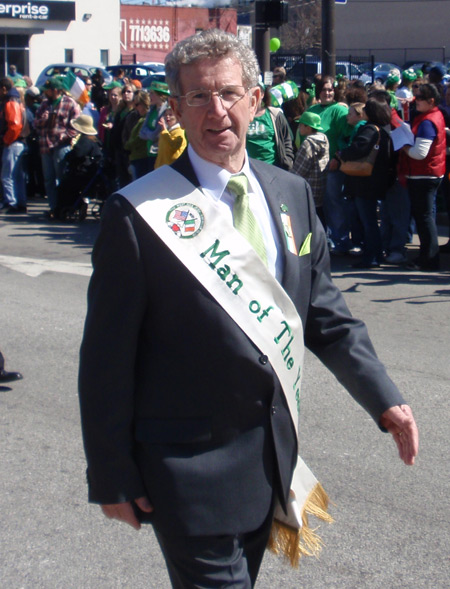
227 266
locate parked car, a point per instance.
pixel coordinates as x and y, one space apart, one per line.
134 71
156 66
80 69
299 71
381 70
425 65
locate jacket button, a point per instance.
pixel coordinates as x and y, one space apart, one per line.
263 359
273 409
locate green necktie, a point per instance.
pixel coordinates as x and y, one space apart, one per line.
243 218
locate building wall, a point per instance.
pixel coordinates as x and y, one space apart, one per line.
148 33
86 38
394 30
49 39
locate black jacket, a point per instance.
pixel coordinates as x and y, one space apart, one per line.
177 403
376 185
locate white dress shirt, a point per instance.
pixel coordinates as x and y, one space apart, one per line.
214 179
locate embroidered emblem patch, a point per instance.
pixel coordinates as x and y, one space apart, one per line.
185 219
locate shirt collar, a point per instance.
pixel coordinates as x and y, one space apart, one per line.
214 179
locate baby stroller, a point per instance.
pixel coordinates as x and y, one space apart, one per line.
78 194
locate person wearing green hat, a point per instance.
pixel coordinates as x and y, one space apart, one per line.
113 84
311 160
405 93
391 84
151 129
52 125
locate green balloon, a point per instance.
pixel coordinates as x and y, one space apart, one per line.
274 44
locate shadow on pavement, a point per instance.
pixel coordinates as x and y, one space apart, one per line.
35 224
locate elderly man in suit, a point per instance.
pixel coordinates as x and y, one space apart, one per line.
188 408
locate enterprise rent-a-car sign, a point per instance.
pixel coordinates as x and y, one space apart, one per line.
37 10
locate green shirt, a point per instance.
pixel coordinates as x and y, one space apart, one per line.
261 139
333 119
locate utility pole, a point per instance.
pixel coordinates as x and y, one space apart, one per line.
268 13
328 53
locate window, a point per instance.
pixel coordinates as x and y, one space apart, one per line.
68 55
14 51
104 57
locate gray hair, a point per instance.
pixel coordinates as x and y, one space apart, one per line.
210 44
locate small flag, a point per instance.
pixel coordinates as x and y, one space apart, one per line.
189 225
181 215
76 87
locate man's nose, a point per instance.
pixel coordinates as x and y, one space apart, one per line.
216 105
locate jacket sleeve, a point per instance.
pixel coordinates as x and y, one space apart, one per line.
284 146
14 121
341 341
108 358
303 159
362 144
149 134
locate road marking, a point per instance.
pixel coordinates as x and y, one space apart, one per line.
35 267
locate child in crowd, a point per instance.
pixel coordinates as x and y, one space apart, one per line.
311 160
172 140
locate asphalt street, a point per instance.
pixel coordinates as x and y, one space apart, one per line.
392 522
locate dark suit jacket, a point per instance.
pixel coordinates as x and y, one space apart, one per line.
176 402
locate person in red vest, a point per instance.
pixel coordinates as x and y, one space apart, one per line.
424 167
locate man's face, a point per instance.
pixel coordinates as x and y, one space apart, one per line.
216 132
52 93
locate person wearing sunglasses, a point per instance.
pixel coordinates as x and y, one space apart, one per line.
423 164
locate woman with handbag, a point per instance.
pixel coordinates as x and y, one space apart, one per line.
366 163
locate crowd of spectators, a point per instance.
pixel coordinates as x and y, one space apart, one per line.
372 217
55 138
308 131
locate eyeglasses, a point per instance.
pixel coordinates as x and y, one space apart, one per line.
420 97
416 85
229 95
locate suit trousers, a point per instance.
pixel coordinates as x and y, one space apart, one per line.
213 562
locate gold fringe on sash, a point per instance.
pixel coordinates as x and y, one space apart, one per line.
292 543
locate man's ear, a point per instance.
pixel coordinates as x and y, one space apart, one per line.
175 106
255 100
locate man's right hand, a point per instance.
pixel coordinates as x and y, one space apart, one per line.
124 511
